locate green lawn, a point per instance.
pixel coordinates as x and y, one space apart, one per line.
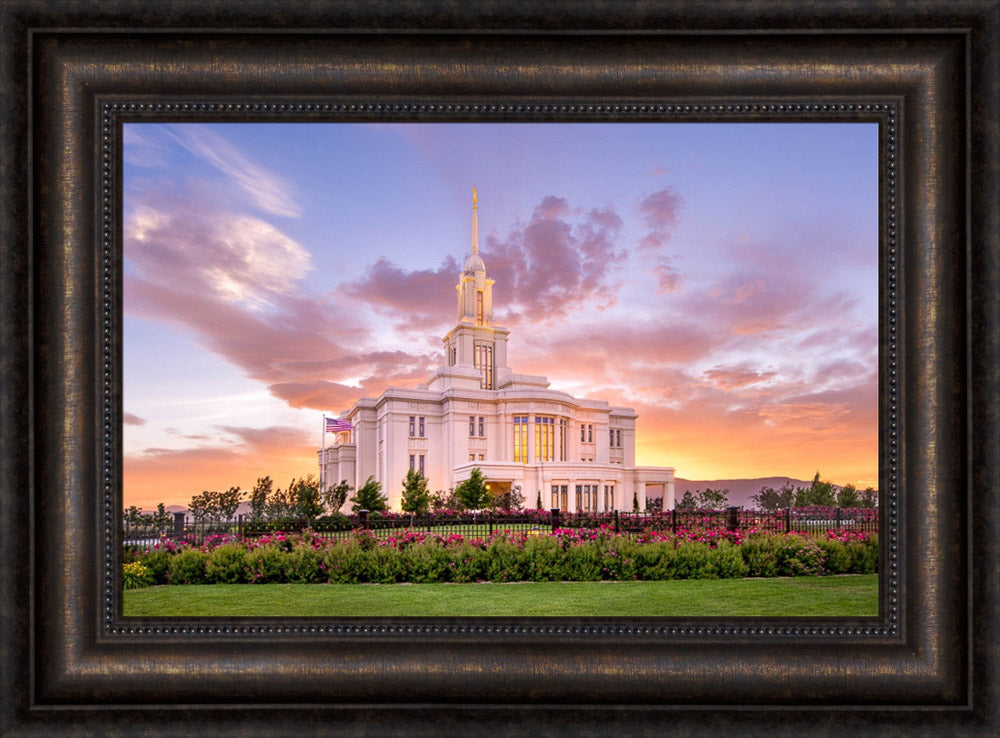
834 596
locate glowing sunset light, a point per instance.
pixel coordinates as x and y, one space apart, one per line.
721 279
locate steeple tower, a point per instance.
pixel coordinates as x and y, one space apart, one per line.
476 348
475 289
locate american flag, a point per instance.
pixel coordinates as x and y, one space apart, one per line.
335 425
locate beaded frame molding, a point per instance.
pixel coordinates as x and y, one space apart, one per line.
113 115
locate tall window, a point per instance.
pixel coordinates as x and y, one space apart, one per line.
590 433
421 419
521 439
479 307
472 426
583 432
412 457
484 363
545 438
413 426
482 427
609 496
421 463
618 436
579 497
563 437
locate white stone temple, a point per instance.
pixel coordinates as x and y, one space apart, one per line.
476 412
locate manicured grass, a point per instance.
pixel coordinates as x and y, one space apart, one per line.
832 596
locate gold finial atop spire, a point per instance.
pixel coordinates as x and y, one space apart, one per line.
475 198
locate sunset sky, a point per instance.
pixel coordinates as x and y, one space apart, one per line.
721 279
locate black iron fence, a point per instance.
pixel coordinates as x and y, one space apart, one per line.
182 528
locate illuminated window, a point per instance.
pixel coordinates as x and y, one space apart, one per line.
482 457
484 363
521 439
579 497
609 496
563 438
472 457
545 441
479 307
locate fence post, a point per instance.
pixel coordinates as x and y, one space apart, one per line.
788 520
734 518
617 528
673 521
178 525
363 518
555 518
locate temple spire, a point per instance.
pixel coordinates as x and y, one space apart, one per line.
475 221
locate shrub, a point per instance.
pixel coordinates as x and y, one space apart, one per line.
135 575
304 565
798 556
726 562
690 561
266 565
188 567
158 562
507 561
227 564
426 562
544 559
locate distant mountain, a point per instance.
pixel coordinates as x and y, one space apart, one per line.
740 490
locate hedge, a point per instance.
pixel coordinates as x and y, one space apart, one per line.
579 556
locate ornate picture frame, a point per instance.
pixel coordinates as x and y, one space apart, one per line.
927 75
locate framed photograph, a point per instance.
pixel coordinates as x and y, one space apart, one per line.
92 88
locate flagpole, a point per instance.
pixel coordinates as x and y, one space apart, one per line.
322 460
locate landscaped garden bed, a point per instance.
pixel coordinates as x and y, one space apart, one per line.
578 555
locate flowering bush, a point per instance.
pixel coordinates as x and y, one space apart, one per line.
135 575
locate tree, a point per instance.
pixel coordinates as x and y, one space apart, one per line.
635 501
687 502
280 505
335 497
654 504
472 493
869 497
713 499
848 496
199 507
416 497
133 517
538 500
161 518
228 502
369 497
259 498
775 499
308 504
819 493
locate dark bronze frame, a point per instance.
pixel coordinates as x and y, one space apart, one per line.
928 73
